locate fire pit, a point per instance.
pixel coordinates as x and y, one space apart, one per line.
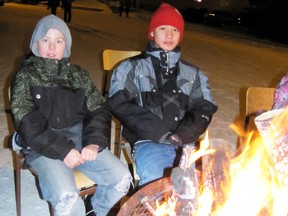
146 197
179 192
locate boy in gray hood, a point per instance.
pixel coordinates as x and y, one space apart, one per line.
63 123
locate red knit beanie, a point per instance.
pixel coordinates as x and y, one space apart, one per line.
166 15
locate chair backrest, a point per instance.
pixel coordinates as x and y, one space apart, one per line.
110 59
258 100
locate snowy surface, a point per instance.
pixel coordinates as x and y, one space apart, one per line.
231 61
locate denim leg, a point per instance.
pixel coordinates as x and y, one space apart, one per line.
152 159
58 186
113 181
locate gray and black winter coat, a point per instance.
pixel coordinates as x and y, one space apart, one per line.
157 94
49 94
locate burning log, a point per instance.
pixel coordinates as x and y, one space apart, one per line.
185 179
185 188
273 128
148 206
185 184
213 167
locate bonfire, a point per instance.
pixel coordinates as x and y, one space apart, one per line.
251 183
255 182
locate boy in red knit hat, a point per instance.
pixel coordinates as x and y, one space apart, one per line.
163 102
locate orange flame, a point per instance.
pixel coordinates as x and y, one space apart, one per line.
167 208
252 185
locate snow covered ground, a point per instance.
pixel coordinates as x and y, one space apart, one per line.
231 61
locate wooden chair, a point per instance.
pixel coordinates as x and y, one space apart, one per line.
127 151
258 100
110 59
85 185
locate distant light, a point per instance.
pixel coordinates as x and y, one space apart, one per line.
198 0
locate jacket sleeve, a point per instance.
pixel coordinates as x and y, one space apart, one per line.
122 101
195 121
199 113
137 119
97 123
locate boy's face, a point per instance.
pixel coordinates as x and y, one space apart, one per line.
166 37
52 45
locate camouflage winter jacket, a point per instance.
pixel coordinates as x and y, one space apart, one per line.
51 94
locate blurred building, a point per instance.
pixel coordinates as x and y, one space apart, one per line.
233 6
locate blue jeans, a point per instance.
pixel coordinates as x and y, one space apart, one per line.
154 160
58 186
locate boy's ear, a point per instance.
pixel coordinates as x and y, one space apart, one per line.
152 34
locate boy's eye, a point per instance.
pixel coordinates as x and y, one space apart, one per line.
45 40
60 41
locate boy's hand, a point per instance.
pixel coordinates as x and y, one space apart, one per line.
90 152
175 139
73 159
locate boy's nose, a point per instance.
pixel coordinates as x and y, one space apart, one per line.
51 45
169 32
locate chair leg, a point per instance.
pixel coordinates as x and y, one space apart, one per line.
18 183
104 87
120 142
136 183
51 210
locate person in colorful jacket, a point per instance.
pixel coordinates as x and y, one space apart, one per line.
63 123
281 93
162 101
